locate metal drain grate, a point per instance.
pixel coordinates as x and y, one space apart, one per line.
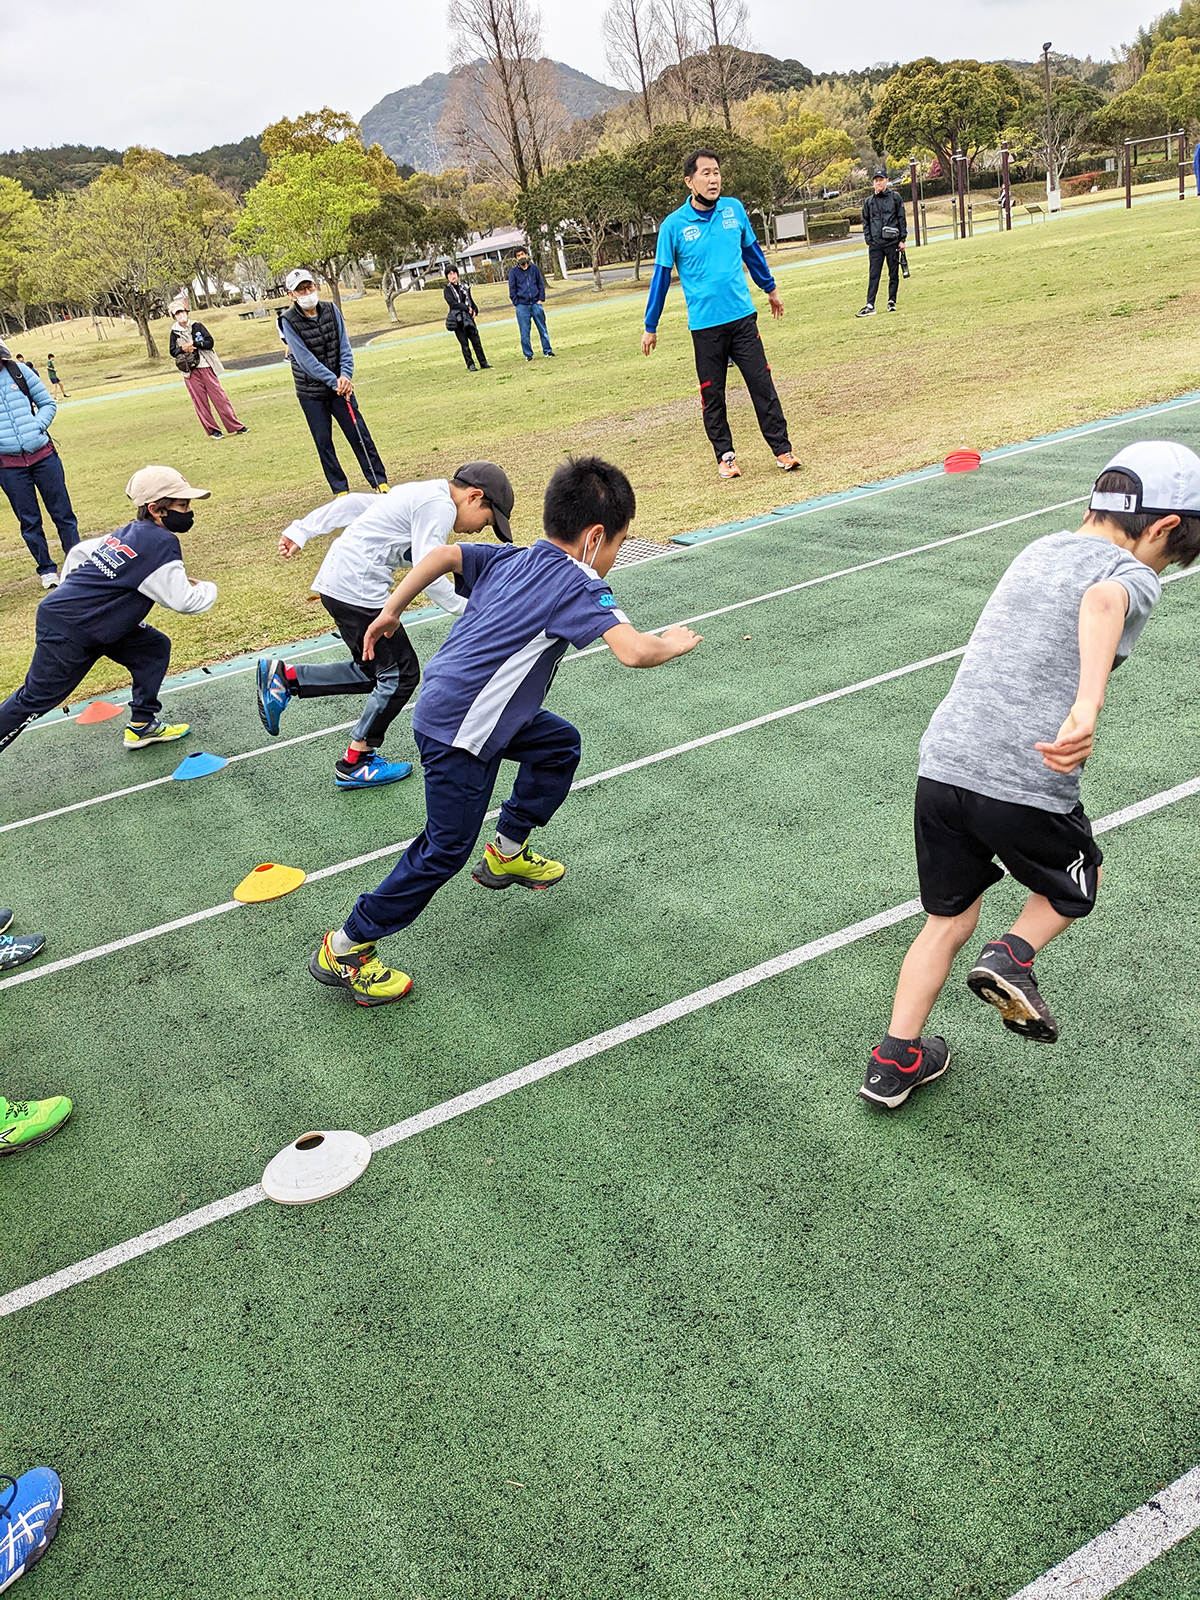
635 550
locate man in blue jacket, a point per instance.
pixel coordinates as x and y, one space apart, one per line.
30 465
322 368
109 586
710 241
527 291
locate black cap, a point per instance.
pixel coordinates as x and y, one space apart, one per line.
497 492
880 172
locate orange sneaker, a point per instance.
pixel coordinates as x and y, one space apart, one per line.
789 461
728 467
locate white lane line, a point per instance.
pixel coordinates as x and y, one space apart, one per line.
32 974
1115 1556
597 649
30 1293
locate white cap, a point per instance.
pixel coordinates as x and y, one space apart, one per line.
297 276
161 483
1168 479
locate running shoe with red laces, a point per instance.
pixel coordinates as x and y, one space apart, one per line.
728 467
789 461
895 1073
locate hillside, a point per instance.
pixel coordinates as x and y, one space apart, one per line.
405 122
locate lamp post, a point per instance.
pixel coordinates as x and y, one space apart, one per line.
1051 178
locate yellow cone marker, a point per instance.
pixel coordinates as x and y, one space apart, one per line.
268 882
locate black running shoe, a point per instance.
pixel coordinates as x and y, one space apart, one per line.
889 1084
1009 985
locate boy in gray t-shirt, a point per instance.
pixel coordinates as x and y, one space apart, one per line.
1001 760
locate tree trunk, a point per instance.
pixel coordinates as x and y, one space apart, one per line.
143 327
330 274
597 243
389 287
637 252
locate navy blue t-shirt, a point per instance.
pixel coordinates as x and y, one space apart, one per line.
101 599
526 606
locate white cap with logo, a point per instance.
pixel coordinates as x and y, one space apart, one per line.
161 483
1167 477
297 276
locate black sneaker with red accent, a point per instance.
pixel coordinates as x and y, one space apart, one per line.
1009 984
896 1071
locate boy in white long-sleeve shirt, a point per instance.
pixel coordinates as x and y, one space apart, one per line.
355 579
109 586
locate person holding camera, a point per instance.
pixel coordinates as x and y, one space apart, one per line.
885 228
192 352
460 320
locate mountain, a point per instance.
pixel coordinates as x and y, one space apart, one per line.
405 123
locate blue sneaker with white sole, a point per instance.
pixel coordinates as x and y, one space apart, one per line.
273 694
29 1516
371 773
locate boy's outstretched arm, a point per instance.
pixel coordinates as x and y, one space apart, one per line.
1101 624
435 565
634 649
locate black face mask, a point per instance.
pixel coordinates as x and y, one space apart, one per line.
178 521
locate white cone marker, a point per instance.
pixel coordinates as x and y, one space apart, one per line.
317 1165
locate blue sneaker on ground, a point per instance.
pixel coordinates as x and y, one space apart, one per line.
17 949
370 773
29 1516
273 694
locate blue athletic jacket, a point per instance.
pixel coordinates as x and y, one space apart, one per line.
21 431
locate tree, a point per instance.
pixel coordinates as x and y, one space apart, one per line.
304 211
590 198
942 107
1072 107
633 47
722 24
124 239
209 216
20 233
504 107
308 134
812 154
1133 114
679 78
746 168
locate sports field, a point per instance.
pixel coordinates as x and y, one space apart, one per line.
667 1312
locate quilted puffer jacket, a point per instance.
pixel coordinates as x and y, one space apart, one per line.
21 431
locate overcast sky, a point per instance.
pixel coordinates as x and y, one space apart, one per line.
135 72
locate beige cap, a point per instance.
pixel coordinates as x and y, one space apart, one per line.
161 483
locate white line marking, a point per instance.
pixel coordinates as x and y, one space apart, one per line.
93 1266
1115 1556
32 974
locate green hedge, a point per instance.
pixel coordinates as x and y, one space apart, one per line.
828 228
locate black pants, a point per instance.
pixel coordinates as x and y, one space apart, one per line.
319 412
740 343
388 680
879 254
472 334
60 664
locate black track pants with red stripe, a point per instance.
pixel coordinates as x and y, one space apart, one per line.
740 342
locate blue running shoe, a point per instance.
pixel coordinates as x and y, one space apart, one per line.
369 774
17 949
273 694
28 1521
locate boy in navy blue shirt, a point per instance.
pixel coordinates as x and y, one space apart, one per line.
109 587
481 703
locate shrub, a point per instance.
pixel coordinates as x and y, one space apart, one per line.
828 228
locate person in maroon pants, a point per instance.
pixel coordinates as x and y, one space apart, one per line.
193 353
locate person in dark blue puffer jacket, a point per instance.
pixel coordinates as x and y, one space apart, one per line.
30 465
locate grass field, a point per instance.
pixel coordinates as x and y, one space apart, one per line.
682 1318
998 338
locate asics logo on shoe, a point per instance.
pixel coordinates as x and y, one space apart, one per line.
27 1525
884 1061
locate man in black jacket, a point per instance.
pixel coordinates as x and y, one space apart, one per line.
322 368
885 228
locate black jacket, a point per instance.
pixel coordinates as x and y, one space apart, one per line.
200 337
882 211
458 298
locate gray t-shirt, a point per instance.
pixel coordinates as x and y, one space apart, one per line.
1020 674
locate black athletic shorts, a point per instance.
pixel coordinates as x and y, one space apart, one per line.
960 833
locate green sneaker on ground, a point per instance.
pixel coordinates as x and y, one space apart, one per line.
26 1122
366 977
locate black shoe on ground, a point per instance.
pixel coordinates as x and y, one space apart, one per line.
1009 985
891 305
485 366
471 367
867 311
215 433
889 1082
239 430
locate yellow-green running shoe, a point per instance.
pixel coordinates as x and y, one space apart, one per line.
534 872
154 733
26 1122
368 980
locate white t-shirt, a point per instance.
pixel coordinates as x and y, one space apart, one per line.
383 532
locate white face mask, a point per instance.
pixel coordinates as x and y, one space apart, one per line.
308 301
589 557
181 318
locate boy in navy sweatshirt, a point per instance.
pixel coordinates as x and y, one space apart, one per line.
109 586
481 704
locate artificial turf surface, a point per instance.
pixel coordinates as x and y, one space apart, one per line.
686 1318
